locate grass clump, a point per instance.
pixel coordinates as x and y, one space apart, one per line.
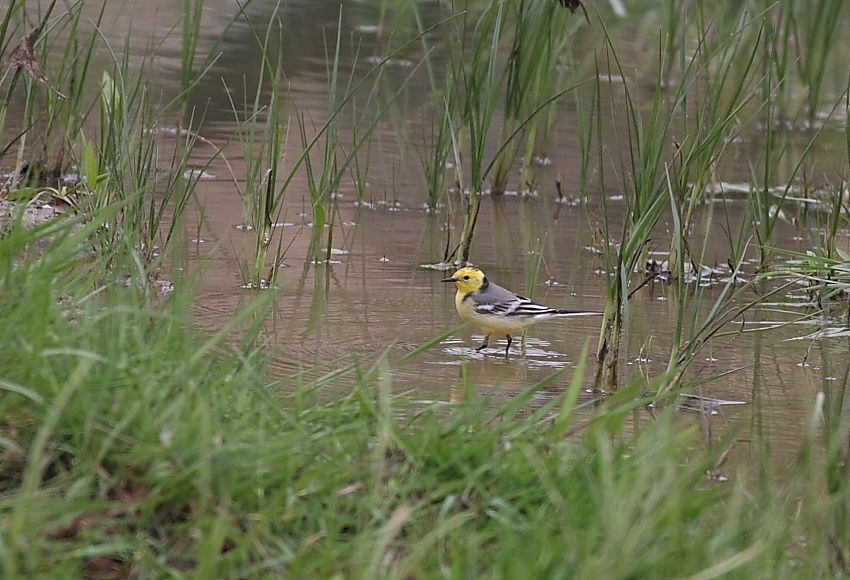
489 96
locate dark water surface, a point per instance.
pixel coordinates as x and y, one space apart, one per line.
377 296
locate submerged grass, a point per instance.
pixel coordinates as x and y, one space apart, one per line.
661 172
494 98
269 179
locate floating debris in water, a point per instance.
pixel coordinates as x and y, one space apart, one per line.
199 241
824 333
705 275
402 62
390 205
770 324
264 285
539 160
283 225
484 192
337 252
802 304
569 201
244 227
642 359
743 188
366 204
776 212
336 195
428 209
171 131
162 287
383 258
199 174
610 78
689 402
369 29
439 266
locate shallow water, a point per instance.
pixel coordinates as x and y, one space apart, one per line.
376 296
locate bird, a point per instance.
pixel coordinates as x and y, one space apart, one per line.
497 310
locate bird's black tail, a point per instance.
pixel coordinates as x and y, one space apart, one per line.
577 313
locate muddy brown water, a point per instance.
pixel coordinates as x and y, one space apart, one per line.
376 296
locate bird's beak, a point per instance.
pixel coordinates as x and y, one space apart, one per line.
448 280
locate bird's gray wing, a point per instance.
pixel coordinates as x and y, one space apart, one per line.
494 300
502 302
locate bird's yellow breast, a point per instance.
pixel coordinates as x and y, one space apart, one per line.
466 308
487 323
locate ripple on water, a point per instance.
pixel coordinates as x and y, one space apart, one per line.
535 355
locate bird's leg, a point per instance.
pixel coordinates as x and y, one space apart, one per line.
486 342
508 348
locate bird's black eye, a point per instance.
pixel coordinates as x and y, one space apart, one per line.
466 277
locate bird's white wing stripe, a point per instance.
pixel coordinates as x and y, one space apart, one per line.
531 307
519 307
499 308
524 307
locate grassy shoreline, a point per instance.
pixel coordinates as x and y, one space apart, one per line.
134 447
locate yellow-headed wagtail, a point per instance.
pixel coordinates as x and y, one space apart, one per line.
497 310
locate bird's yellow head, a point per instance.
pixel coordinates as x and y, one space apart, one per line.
468 280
